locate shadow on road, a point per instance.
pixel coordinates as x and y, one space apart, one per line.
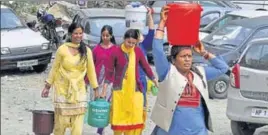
18 72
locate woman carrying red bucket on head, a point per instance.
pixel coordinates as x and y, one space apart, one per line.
182 105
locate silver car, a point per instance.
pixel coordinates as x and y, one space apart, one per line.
234 15
94 19
212 10
247 106
21 46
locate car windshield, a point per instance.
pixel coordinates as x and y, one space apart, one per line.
222 21
95 25
9 20
228 36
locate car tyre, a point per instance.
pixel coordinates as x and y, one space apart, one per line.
40 68
241 128
218 88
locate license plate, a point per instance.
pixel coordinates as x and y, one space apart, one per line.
257 112
27 63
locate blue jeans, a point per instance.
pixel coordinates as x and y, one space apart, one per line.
144 91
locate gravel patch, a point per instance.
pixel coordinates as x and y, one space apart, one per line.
21 90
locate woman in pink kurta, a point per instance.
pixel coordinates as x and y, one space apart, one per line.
101 53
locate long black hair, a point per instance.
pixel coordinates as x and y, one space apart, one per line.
110 31
175 50
132 33
82 48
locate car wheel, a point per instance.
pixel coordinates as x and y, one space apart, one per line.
40 68
241 128
218 88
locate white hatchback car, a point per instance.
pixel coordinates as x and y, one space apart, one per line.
21 46
247 105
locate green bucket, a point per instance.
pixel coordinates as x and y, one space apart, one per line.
98 113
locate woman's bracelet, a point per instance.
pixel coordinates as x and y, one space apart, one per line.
160 30
206 55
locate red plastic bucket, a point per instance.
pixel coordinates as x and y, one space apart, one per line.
183 24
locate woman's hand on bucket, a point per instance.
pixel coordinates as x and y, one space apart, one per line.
199 48
164 12
96 93
155 83
103 94
45 93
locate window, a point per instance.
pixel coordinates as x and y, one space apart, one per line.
77 19
118 25
209 17
224 21
9 19
87 28
264 58
263 33
256 57
210 4
230 36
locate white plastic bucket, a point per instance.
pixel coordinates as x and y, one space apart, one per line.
136 17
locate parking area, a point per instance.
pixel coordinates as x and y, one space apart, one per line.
20 93
227 29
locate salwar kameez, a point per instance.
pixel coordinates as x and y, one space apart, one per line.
127 98
74 122
69 97
127 103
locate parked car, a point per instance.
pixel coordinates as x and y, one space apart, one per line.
21 46
94 19
247 105
224 4
212 10
234 15
208 15
230 41
254 5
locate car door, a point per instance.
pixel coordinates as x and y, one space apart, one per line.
254 72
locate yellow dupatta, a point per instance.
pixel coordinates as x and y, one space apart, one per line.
129 81
70 44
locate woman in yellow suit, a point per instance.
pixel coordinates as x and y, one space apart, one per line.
127 97
72 62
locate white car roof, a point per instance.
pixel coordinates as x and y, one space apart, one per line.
2 6
249 13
